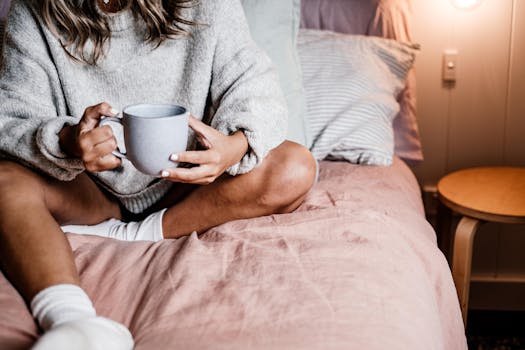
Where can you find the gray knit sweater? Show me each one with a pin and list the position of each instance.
(217, 71)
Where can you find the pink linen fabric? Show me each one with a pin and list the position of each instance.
(383, 18)
(355, 267)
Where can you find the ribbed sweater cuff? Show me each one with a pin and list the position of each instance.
(47, 140)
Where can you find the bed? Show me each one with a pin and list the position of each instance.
(356, 266)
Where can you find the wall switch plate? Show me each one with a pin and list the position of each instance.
(450, 65)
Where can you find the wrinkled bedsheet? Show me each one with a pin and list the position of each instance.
(355, 267)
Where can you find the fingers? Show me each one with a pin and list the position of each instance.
(211, 162)
(205, 133)
(206, 172)
(93, 114)
(198, 126)
(100, 150)
(107, 162)
(96, 146)
(197, 157)
(91, 138)
(200, 175)
(97, 143)
(100, 157)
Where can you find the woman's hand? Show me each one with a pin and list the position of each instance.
(221, 152)
(90, 143)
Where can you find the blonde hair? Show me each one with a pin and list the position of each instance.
(77, 22)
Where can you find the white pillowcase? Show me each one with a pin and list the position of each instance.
(351, 84)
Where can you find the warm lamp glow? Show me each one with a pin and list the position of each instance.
(465, 4)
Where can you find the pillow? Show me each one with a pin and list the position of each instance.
(383, 18)
(351, 85)
(342, 16)
(274, 25)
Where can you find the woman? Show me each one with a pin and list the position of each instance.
(66, 63)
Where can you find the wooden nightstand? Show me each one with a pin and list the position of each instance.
(495, 194)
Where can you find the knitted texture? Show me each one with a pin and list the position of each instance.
(217, 72)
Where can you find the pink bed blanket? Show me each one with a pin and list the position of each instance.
(356, 267)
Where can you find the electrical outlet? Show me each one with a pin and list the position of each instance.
(450, 65)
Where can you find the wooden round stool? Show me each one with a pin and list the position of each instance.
(495, 194)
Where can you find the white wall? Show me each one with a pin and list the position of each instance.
(478, 121)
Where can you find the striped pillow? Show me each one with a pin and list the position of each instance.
(351, 85)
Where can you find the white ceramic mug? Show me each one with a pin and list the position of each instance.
(152, 132)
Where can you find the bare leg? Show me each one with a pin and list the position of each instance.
(278, 185)
(32, 208)
(37, 258)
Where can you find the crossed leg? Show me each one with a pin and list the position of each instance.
(278, 185)
(34, 251)
(37, 258)
(33, 207)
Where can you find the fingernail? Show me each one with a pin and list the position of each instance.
(114, 111)
(174, 157)
(164, 173)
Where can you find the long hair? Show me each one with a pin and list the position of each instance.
(77, 22)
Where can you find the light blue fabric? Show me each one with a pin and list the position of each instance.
(351, 85)
(274, 25)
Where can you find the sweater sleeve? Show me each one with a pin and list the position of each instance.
(245, 90)
(30, 105)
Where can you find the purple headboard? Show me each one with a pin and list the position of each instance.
(4, 7)
(384, 18)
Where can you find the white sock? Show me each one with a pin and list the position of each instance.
(149, 229)
(61, 303)
(69, 320)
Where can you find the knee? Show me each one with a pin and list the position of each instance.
(291, 175)
(18, 182)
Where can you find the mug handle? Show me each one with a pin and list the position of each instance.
(104, 121)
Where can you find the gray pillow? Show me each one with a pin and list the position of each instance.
(351, 84)
(274, 25)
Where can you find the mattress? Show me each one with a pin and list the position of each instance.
(355, 267)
